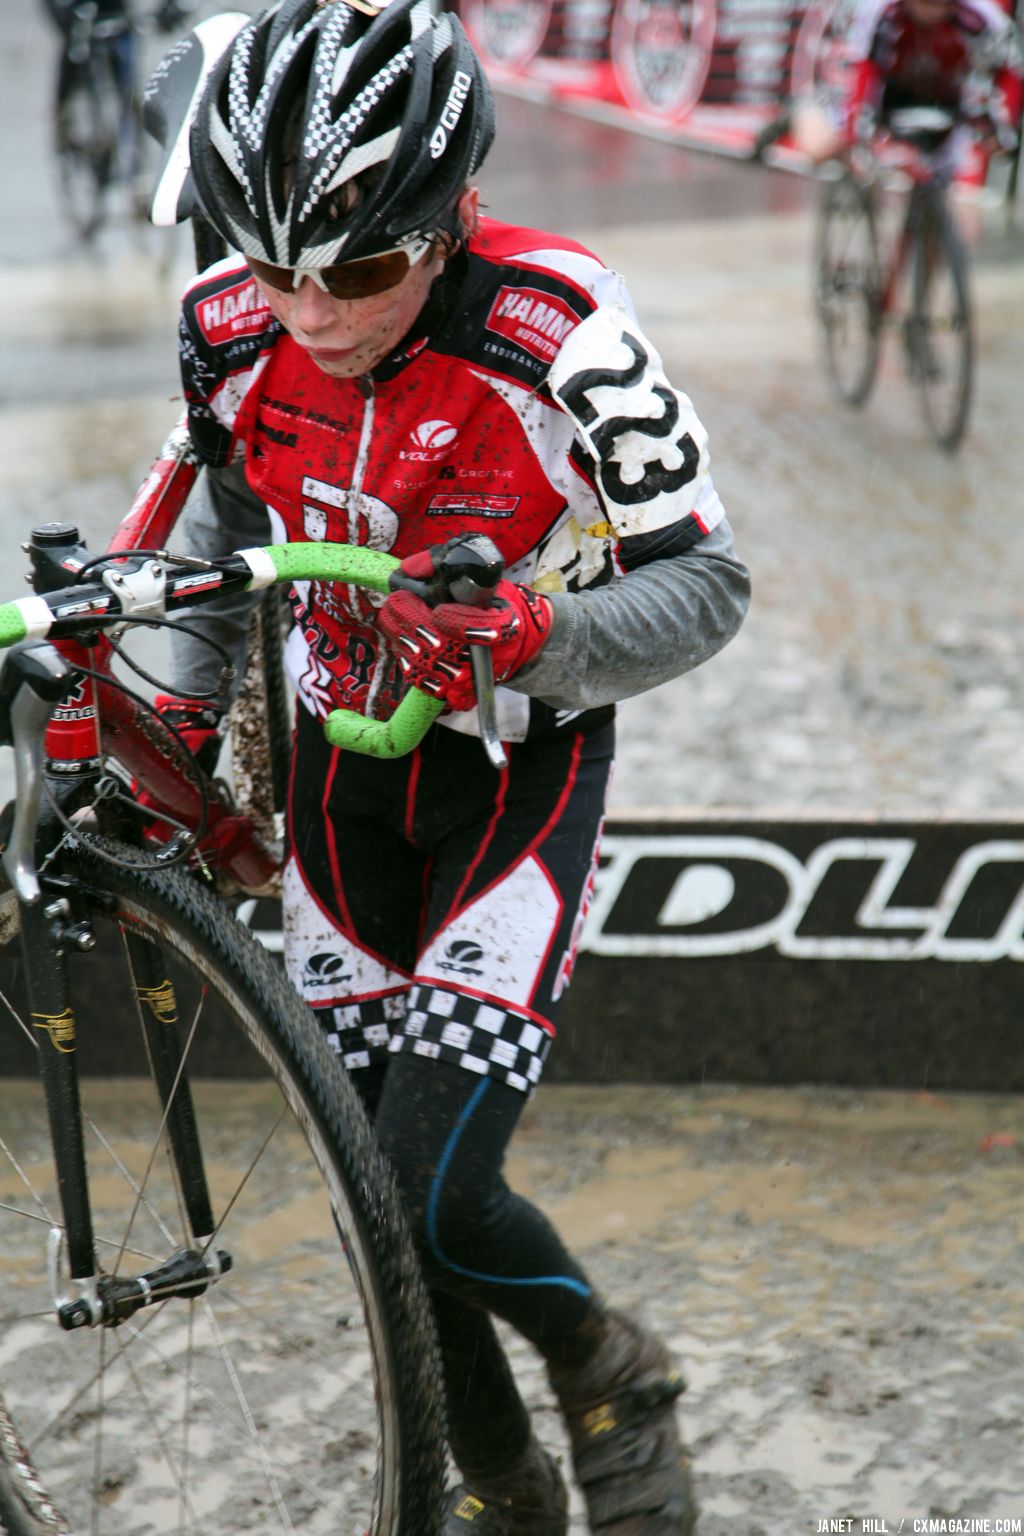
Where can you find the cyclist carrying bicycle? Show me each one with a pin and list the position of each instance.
(381, 364)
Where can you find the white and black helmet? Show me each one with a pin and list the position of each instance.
(333, 130)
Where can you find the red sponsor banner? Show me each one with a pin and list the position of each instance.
(710, 73)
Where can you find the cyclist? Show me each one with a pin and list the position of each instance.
(109, 23)
(382, 365)
(960, 55)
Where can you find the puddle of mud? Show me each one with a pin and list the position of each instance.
(839, 1274)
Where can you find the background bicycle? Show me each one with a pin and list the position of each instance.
(103, 155)
(218, 1364)
(890, 257)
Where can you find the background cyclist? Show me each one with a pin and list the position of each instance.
(109, 24)
(961, 55)
(382, 365)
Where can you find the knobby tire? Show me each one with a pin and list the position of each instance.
(848, 292)
(942, 324)
(332, 1346)
(87, 135)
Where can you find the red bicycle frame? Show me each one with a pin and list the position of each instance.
(891, 154)
(102, 718)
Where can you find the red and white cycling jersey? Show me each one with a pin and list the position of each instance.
(527, 404)
(931, 65)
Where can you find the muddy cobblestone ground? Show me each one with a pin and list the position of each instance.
(839, 1273)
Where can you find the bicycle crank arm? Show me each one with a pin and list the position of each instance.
(118, 1297)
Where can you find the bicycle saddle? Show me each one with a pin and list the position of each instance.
(169, 101)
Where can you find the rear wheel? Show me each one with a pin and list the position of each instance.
(301, 1391)
(87, 135)
(941, 331)
(849, 289)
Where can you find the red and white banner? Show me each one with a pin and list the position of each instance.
(709, 73)
(704, 72)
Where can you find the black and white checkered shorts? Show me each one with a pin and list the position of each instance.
(481, 1037)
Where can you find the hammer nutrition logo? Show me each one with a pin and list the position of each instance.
(233, 313)
(536, 321)
(884, 897)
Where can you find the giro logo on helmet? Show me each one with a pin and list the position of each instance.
(462, 84)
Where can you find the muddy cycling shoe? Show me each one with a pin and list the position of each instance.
(630, 1463)
(528, 1498)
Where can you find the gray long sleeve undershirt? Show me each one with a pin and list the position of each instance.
(606, 644)
(661, 620)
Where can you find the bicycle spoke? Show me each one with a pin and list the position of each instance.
(44, 1213)
(179, 1476)
(246, 1176)
(19, 1021)
(158, 1139)
(136, 1189)
(256, 1440)
(149, 1423)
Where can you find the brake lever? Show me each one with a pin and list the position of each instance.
(469, 570)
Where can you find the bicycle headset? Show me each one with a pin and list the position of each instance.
(332, 131)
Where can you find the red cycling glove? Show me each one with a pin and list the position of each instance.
(432, 644)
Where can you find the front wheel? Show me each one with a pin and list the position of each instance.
(941, 329)
(301, 1391)
(86, 143)
(848, 290)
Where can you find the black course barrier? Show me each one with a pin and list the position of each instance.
(859, 952)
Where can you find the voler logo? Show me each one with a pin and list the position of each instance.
(884, 897)
(464, 956)
(661, 53)
(326, 970)
(510, 32)
(431, 439)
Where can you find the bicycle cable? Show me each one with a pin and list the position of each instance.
(199, 696)
(186, 838)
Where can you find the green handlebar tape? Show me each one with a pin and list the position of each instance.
(384, 738)
(12, 624)
(348, 563)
